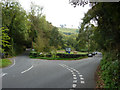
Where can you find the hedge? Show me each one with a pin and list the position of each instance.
(70, 55)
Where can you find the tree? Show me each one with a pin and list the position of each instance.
(106, 35)
(4, 40)
(55, 38)
(15, 19)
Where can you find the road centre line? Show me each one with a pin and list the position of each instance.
(27, 69)
(2, 74)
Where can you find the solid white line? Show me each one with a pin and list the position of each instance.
(74, 85)
(27, 69)
(13, 63)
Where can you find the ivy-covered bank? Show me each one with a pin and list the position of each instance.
(109, 74)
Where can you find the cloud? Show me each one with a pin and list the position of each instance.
(59, 11)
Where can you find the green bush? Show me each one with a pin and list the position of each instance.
(33, 54)
(110, 71)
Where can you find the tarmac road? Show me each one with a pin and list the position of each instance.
(37, 73)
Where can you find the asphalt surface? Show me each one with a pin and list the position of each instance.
(37, 73)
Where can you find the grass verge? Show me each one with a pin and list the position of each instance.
(5, 63)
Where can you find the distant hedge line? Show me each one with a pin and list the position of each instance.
(70, 55)
(35, 54)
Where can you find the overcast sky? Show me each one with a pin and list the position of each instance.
(59, 11)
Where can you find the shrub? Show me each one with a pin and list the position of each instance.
(110, 71)
(33, 54)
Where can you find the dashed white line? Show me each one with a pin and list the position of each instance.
(71, 89)
(73, 73)
(74, 85)
(27, 69)
(74, 77)
(69, 69)
(72, 70)
(77, 71)
(74, 81)
(80, 75)
(83, 82)
(2, 74)
(82, 78)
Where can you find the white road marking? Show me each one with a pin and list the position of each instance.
(73, 73)
(2, 74)
(83, 82)
(68, 68)
(71, 89)
(82, 78)
(74, 85)
(74, 81)
(78, 72)
(27, 69)
(80, 75)
(74, 77)
(13, 63)
(72, 70)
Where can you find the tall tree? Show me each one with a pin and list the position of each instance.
(15, 19)
(55, 38)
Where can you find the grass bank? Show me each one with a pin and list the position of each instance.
(5, 63)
